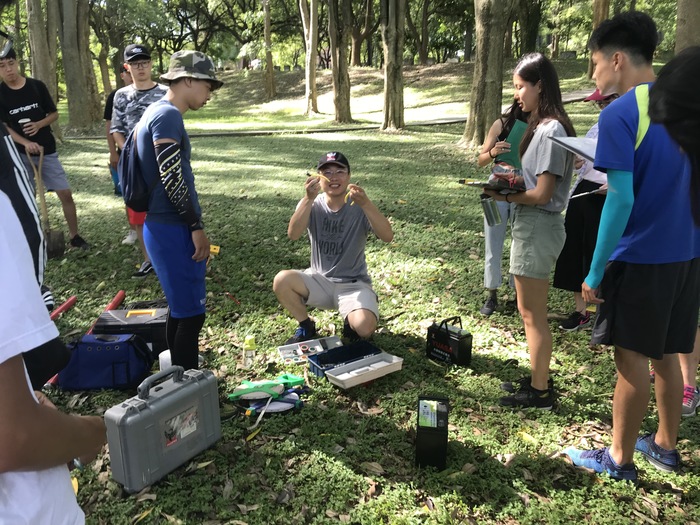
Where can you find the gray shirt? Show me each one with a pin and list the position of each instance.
(338, 241)
(544, 155)
(129, 105)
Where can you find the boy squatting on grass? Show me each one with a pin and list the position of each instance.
(338, 223)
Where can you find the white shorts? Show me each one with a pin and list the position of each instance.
(345, 297)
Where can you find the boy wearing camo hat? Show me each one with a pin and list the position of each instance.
(174, 232)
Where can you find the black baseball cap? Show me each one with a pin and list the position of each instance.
(333, 157)
(135, 51)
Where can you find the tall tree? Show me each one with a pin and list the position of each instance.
(309, 19)
(42, 43)
(270, 89)
(601, 11)
(420, 33)
(81, 87)
(687, 24)
(362, 29)
(487, 84)
(339, 30)
(393, 15)
(529, 18)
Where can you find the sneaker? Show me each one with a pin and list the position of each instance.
(130, 238)
(301, 334)
(599, 461)
(514, 386)
(145, 269)
(79, 242)
(489, 306)
(691, 398)
(528, 397)
(576, 321)
(48, 297)
(662, 459)
(349, 334)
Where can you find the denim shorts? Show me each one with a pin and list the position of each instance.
(538, 237)
(345, 297)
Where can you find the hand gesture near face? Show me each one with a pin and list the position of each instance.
(357, 195)
(312, 187)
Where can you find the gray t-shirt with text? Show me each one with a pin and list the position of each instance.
(338, 241)
(544, 155)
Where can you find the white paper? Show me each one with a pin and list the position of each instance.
(581, 146)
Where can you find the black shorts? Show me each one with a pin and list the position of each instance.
(651, 309)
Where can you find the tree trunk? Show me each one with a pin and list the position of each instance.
(508, 40)
(270, 89)
(393, 17)
(309, 18)
(491, 17)
(421, 37)
(339, 28)
(83, 101)
(42, 66)
(687, 23)
(529, 18)
(468, 42)
(601, 11)
(555, 45)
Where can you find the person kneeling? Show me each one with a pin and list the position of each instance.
(338, 223)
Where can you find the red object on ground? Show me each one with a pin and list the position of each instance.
(60, 309)
(113, 305)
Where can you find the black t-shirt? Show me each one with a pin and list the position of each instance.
(109, 106)
(31, 101)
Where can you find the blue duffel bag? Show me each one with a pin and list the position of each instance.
(106, 361)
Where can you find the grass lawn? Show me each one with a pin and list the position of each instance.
(348, 456)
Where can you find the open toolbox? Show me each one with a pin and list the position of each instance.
(300, 352)
(354, 364)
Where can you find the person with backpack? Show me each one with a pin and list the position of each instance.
(129, 104)
(174, 232)
(645, 272)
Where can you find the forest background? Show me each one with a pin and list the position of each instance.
(75, 46)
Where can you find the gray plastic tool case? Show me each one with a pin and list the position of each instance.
(174, 417)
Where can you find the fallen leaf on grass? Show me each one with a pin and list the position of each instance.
(344, 518)
(372, 467)
(374, 490)
(253, 434)
(331, 513)
(469, 468)
(285, 496)
(368, 411)
(228, 489)
(146, 497)
(643, 517)
(245, 509)
(141, 516)
(527, 475)
(429, 504)
(171, 519)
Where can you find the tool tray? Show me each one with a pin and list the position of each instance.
(322, 362)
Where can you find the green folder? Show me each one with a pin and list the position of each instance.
(514, 138)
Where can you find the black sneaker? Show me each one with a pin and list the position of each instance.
(79, 242)
(528, 397)
(514, 386)
(489, 306)
(349, 334)
(302, 334)
(145, 269)
(576, 321)
(47, 296)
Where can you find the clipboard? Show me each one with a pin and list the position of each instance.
(582, 146)
(514, 137)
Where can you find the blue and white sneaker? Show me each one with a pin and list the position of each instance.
(662, 459)
(600, 461)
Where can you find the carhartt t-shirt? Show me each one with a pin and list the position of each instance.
(31, 101)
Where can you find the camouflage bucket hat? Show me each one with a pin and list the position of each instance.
(192, 64)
